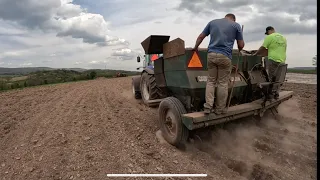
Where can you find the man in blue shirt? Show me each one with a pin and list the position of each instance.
(223, 32)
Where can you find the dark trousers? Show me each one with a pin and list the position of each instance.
(272, 68)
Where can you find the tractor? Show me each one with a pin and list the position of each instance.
(145, 86)
(175, 80)
(121, 74)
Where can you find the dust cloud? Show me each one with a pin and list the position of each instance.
(160, 137)
(258, 148)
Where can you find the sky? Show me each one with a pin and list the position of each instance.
(107, 34)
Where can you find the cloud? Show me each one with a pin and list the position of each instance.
(304, 8)
(69, 10)
(25, 64)
(78, 33)
(124, 54)
(13, 54)
(94, 62)
(296, 17)
(30, 13)
(62, 17)
(125, 13)
(113, 63)
(47, 61)
(92, 28)
(178, 20)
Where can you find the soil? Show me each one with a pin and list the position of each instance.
(85, 130)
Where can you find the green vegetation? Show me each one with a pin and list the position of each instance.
(302, 71)
(27, 70)
(44, 77)
(13, 79)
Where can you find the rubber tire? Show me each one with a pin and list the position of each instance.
(154, 91)
(178, 109)
(137, 94)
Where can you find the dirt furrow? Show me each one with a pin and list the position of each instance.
(85, 130)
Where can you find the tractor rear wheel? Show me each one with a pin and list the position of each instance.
(148, 87)
(136, 94)
(173, 130)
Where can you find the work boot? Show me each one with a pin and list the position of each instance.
(207, 110)
(220, 111)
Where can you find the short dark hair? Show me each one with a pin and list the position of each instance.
(268, 29)
(230, 15)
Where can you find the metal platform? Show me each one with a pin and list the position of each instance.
(199, 119)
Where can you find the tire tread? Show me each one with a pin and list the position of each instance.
(177, 105)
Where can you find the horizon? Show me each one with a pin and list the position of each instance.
(109, 69)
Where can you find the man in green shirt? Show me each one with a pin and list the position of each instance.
(276, 46)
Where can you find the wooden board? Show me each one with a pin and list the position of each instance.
(255, 105)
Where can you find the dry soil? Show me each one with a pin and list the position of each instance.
(85, 130)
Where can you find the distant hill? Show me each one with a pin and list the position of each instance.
(75, 69)
(27, 70)
(304, 68)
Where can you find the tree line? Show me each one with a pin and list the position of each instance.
(51, 77)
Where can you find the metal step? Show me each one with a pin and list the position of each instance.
(199, 119)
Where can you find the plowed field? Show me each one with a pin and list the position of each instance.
(85, 130)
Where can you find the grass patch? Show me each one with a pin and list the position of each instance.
(302, 71)
(19, 78)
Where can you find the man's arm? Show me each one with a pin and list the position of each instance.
(201, 36)
(239, 38)
(263, 49)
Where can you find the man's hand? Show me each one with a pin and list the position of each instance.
(194, 49)
(199, 41)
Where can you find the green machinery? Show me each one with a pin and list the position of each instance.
(176, 81)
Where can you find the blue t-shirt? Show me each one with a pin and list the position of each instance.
(223, 33)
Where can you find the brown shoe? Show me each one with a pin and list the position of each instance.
(207, 111)
(219, 111)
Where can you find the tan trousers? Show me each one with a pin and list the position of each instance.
(219, 70)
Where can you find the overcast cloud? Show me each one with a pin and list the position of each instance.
(60, 16)
(99, 33)
(296, 17)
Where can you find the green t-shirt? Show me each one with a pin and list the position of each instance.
(277, 47)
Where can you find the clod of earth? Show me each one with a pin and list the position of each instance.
(158, 168)
(175, 161)
(86, 138)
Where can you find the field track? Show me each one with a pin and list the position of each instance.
(84, 130)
